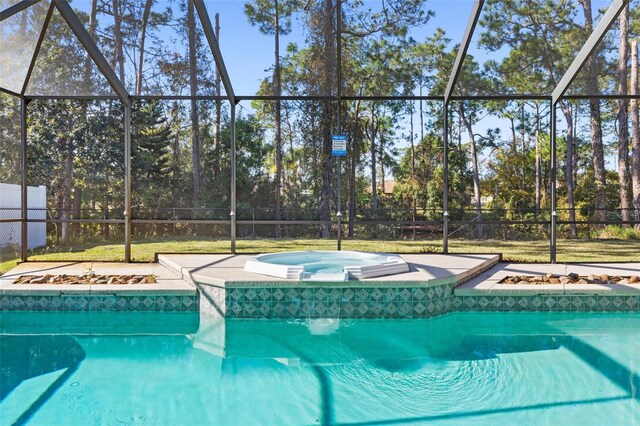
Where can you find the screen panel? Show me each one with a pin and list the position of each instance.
(63, 67)
(18, 39)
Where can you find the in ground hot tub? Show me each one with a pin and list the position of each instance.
(326, 265)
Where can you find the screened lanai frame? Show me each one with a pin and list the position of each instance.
(121, 93)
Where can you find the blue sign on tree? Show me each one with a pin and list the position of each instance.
(339, 145)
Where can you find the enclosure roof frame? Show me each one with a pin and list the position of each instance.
(92, 49)
(96, 55)
(81, 33)
(214, 46)
(36, 52)
(122, 93)
(16, 8)
(9, 92)
(462, 50)
(589, 46)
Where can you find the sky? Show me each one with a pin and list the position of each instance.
(249, 55)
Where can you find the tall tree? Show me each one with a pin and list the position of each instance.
(193, 89)
(542, 37)
(118, 47)
(322, 17)
(216, 140)
(635, 129)
(624, 181)
(538, 160)
(373, 131)
(568, 110)
(144, 24)
(475, 170)
(273, 17)
(592, 68)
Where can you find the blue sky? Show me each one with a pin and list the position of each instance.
(247, 53)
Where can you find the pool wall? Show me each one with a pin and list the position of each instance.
(549, 303)
(89, 302)
(391, 302)
(319, 302)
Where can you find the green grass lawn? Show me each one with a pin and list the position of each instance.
(521, 251)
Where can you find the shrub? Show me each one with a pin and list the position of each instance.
(616, 232)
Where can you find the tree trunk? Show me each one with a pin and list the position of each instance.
(413, 175)
(195, 127)
(278, 91)
(459, 133)
(216, 146)
(514, 138)
(568, 115)
(143, 39)
(328, 79)
(576, 111)
(293, 178)
(374, 186)
(77, 208)
(624, 181)
(67, 185)
(88, 62)
(381, 162)
(117, 38)
(421, 115)
(592, 70)
(354, 165)
(326, 167)
(105, 215)
(538, 161)
(92, 30)
(475, 170)
(635, 130)
(523, 152)
(59, 191)
(411, 142)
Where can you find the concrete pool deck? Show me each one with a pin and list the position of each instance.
(424, 270)
(488, 281)
(167, 282)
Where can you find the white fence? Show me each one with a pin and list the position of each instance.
(10, 202)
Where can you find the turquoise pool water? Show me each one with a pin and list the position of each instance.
(179, 369)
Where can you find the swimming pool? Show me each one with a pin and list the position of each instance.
(461, 368)
(314, 265)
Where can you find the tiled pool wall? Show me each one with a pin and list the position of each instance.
(390, 302)
(323, 301)
(88, 302)
(319, 302)
(549, 302)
